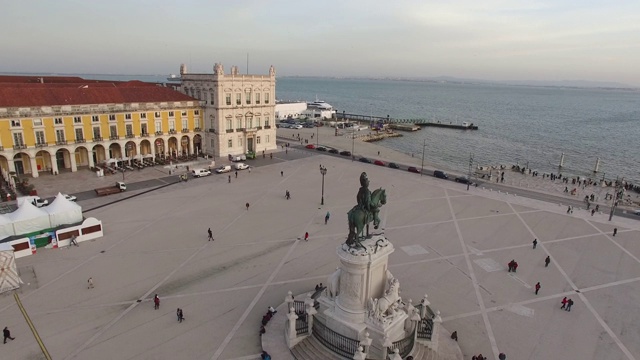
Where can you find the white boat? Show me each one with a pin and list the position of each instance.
(319, 104)
(173, 77)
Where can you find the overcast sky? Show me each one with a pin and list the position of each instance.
(596, 40)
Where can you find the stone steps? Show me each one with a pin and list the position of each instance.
(311, 349)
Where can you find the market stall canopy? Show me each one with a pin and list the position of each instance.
(6, 227)
(28, 219)
(63, 211)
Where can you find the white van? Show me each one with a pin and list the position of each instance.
(223, 169)
(200, 172)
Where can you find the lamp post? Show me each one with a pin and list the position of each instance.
(618, 194)
(424, 144)
(323, 171)
(469, 178)
(353, 145)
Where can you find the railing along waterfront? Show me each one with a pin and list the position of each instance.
(337, 343)
(405, 345)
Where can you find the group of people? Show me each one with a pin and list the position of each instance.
(566, 304)
(512, 265)
(266, 318)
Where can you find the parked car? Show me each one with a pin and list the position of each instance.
(309, 125)
(296, 126)
(379, 162)
(70, 197)
(364, 160)
(345, 153)
(463, 180)
(320, 148)
(440, 174)
(394, 165)
(333, 151)
(636, 212)
(310, 146)
(413, 169)
(200, 172)
(241, 166)
(38, 202)
(236, 158)
(223, 169)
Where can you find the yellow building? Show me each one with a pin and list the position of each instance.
(63, 124)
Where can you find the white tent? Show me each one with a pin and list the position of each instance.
(62, 211)
(29, 218)
(9, 278)
(6, 227)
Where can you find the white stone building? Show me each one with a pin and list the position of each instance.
(239, 110)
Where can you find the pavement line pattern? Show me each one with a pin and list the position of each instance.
(474, 280)
(45, 352)
(580, 294)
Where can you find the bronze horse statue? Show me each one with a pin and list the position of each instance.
(359, 217)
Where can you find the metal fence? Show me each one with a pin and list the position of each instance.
(425, 329)
(404, 346)
(302, 325)
(337, 343)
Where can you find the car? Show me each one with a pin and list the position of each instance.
(237, 158)
(636, 212)
(345, 153)
(320, 148)
(379, 163)
(440, 174)
(333, 151)
(364, 160)
(309, 125)
(241, 166)
(200, 172)
(283, 125)
(463, 180)
(296, 126)
(394, 165)
(413, 169)
(70, 197)
(38, 202)
(223, 169)
(310, 146)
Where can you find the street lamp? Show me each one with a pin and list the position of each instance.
(618, 194)
(323, 171)
(424, 144)
(317, 134)
(469, 178)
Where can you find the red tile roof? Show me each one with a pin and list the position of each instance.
(83, 93)
(35, 79)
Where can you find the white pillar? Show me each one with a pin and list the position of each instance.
(11, 166)
(360, 355)
(72, 160)
(34, 166)
(90, 159)
(54, 164)
(366, 343)
(437, 324)
(292, 335)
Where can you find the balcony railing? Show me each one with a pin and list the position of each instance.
(114, 137)
(212, 131)
(197, 129)
(185, 130)
(173, 132)
(81, 141)
(41, 145)
(130, 136)
(1, 148)
(97, 138)
(61, 142)
(159, 133)
(239, 129)
(259, 127)
(267, 127)
(19, 147)
(144, 134)
(229, 131)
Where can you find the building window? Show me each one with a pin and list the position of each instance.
(172, 125)
(230, 143)
(171, 114)
(257, 139)
(127, 116)
(15, 123)
(184, 113)
(197, 122)
(157, 114)
(37, 122)
(60, 135)
(248, 98)
(95, 118)
(196, 112)
(229, 125)
(239, 140)
(143, 115)
(58, 120)
(185, 123)
(129, 129)
(17, 139)
(96, 132)
(238, 99)
(268, 139)
(258, 98)
(40, 137)
(239, 123)
(143, 129)
(112, 117)
(266, 121)
(212, 97)
(79, 134)
(158, 126)
(266, 98)
(76, 120)
(228, 99)
(113, 131)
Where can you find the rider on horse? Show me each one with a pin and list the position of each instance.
(364, 194)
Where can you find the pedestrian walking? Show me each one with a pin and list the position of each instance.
(547, 260)
(615, 231)
(538, 287)
(90, 283)
(7, 334)
(236, 174)
(306, 236)
(247, 205)
(287, 195)
(229, 179)
(515, 266)
(502, 356)
(535, 243)
(271, 156)
(180, 315)
(281, 173)
(454, 335)
(597, 208)
(564, 303)
(326, 218)
(156, 302)
(569, 305)
(210, 234)
(593, 211)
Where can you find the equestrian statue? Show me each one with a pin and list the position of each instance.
(365, 212)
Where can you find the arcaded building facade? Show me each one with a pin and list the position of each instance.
(56, 124)
(239, 110)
